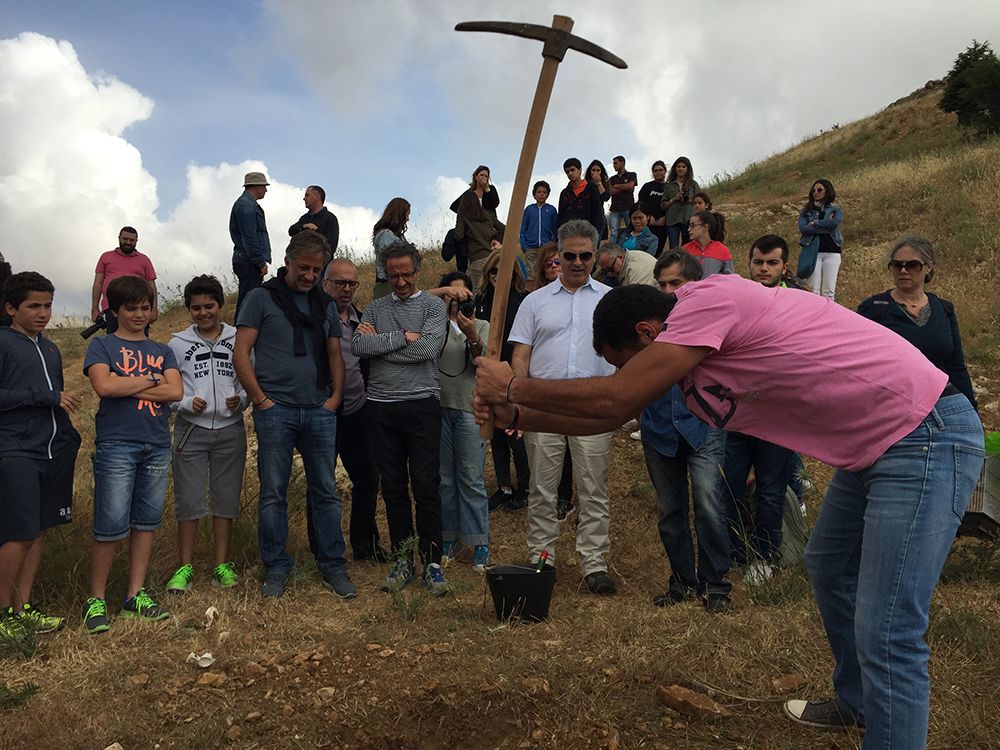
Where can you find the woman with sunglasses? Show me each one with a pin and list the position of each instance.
(819, 223)
(921, 317)
(502, 445)
(547, 267)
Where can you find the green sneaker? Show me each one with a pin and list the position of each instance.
(180, 581)
(34, 618)
(144, 607)
(95, 616)
(224, 576)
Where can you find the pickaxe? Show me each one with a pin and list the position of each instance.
(557, 39)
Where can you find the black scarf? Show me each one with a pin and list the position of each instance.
(284, 298)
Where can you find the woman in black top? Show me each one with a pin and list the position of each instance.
(922, 318)
(652, 195)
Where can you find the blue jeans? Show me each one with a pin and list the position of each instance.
(313, 431)
(247, 276)
(670, 480)
(677, 235)
(758, 532)
(130, 485)
(464, 511)
(874, 557)
(615, 218)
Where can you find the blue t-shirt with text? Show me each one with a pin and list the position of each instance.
(131, 418)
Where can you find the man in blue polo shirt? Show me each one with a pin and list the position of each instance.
(675, 444)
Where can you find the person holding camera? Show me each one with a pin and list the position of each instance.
(464, 511)
(678, 197)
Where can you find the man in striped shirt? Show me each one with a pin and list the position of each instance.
(401, 335)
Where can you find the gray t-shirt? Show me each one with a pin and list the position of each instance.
(354, 381)
(286, 379)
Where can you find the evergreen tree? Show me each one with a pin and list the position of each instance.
(972, 89)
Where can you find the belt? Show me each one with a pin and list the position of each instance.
(950, 390)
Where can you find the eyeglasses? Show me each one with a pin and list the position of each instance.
(341, 283)
(493, 271)
(584, 257)
(911, 266)
(819, 189)
(406, 276)
(694, 224)
(552, 263)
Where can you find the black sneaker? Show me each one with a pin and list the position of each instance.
(600, 583)
(673, 595)
(340, 584)
(500, 499)
(717, 602)
(274, 585)
(564, 506)
(518, 501)
(825, 715)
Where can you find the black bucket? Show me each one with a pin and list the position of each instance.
(521, 592)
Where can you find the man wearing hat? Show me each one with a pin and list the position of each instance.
(251, 245)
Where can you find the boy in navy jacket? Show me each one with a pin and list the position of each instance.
(38, 448)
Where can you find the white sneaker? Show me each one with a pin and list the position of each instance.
(637, 435)
(632, 424)
(758, 573)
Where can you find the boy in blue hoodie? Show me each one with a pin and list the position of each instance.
(210, 441)
(38, 448)
(538, 222)
(136, 379)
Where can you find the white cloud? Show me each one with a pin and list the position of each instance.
(69, 179)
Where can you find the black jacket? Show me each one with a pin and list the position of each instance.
(31, 379)
(326, 224)
(588, 205)
(938, 339)
(484, 309)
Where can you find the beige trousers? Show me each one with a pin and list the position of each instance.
(590, 471)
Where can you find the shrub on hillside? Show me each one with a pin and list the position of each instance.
(972, 89)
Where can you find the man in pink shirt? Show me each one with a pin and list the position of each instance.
(124, 260)
(809, 375)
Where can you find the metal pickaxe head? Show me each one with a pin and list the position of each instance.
(556, 40)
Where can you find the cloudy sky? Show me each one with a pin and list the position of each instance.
(117, 113)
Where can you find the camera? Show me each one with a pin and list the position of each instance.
(100, 324)
(468, 308)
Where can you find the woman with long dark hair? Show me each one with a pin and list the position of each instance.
(819, 223)
(708, 230)
(388, 230)
(678, 195)
(480, 229)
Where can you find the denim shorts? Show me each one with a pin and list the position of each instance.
(130, 483)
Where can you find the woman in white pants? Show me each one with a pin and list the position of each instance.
(819, 222)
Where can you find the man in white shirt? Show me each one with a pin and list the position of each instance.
(553, 339)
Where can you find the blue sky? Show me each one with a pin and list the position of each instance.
(382, 98)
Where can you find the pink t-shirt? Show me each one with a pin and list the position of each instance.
(799, 370)
(113, 264)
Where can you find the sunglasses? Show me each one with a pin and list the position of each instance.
(493, 271)
(552, 263)
(584, 257)
(911, 266)
(345, 283)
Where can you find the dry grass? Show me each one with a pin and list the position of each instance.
(411, 672)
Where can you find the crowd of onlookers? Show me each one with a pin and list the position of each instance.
(389, 389)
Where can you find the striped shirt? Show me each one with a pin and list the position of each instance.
(401, 371)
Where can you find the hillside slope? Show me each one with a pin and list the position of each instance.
(906, 169)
